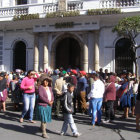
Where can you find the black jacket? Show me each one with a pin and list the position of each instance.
(67, 103)
(138, 96)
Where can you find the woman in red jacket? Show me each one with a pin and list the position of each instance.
(44, 107)
(110, 97)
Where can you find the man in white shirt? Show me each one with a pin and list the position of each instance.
(95, 98)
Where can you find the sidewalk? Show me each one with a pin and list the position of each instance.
(11, 129)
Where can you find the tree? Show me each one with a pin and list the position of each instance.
(129, 27)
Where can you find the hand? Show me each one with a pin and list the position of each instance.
(50, 103)
(30, 87)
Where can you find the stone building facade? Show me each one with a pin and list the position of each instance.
(82, 41)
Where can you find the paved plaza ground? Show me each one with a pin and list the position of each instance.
(11, 129)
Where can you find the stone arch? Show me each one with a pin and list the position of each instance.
(19, 54)
(17, 40)
(61, 37)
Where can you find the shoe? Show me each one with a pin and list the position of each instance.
(99, 124)
(106, 121)
(77, 134)
(31, 121)
(93, 126)
(62, 134)
(45, 136)
(21, 120)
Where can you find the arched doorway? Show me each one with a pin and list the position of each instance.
(68, 53)
(123, 56)
(19, 56)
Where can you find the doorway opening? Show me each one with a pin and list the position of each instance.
(68, 53)
(19, 56)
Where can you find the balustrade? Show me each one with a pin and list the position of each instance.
(13, 11)
(119, 3)
(75, 6)
(50, 8)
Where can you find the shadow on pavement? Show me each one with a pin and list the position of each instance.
(22, 129)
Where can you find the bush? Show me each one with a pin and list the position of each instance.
(26, 17)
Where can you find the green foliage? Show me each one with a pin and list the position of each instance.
(26, 17)
(106, 11)
(128, 27)
(63, 14)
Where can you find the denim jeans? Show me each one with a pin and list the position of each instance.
(29, 104)
(96, 104)
(68, 119)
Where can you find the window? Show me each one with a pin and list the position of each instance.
(20, 2)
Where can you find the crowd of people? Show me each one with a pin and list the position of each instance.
(71, 91)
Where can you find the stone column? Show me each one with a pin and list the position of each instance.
(96, 50)
(45, 48)
(85, 53)
(36, 52)
(53, 53)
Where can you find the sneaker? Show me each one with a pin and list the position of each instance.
(106, 121)
(62, 134)
(77, 134)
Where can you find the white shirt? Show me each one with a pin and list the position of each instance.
(49, 94)
(97, 90)
(135, 88)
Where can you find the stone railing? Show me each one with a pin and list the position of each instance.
(50, 8)
(7, 13)
(13, 11)
(119, 3)
(75, 5)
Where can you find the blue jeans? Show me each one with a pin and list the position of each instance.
(96, 105)
(29, 104)
(68, 119)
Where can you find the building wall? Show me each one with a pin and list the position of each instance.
(10, 38)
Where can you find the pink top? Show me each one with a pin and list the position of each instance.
(28, 82)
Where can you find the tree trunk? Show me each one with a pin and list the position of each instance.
(136, 69)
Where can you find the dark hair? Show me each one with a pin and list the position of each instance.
(97, 75)
(70, 85)
(49, 80)
(61, 74)
(29, 72)
(15, 76)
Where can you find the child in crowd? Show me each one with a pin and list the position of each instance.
(67, 112)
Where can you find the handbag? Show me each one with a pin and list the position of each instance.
(3, 95)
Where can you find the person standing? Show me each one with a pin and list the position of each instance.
(67, 112)
(28, 87)
(58, 93)
(81, 89)
(16, 92)
(137, 108)
(96, 97)
(109, 98)
(74, 82)
(3, 91)
(45, 102)
(134, 95)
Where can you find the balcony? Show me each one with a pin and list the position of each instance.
(8, 13)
